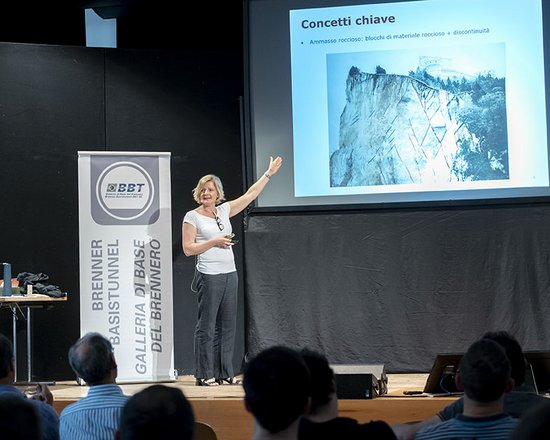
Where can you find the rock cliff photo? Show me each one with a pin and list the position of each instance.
(420, 129)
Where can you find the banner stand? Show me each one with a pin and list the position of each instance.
(126, 287)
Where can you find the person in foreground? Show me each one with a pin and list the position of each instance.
(277, 387)
(516, 402)
(207, 234)
(521, 398)
(484, 375)
(42, 399)
(323, 422)
(19, 419)
(95, 416)
(159, 412)
(535, 424)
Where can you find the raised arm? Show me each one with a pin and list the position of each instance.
(254, 191)
(189, 233)
(43, 393)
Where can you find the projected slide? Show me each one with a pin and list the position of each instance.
(413, 97)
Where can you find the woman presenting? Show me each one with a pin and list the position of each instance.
(207, 233)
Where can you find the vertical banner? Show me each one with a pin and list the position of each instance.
(126, 259)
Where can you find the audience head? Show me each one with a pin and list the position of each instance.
(157, 412)
(277, 385)
(535, 424)
(513, 352)
(6, 357)
(322, 379)
(92, 359)
(484, 371)
(19, 419)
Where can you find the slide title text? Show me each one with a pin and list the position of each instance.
(347, 21)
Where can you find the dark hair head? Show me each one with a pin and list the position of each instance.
(276, 384)
(6, 355)
(484, 371)
(91, 358)
(513, 352)
(19, 418)
(157, 412)
(322, 378)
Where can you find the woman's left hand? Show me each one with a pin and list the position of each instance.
(274, 165)
(237, 205)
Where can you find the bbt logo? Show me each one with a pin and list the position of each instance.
(125, 187)
(125, 190)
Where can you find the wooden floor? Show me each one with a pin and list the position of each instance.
(222, 406)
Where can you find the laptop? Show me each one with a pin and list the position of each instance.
(442, 375)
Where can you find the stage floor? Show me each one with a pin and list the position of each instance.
(222, 406)
(70, 390)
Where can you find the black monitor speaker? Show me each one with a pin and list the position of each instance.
(360, 381)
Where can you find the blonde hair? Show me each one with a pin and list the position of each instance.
(203, 181)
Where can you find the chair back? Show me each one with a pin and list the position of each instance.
(203, 431)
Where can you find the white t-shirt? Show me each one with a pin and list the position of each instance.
(215, 260)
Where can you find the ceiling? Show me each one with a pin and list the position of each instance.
(156, 24)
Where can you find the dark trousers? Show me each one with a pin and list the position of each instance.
(216, 325)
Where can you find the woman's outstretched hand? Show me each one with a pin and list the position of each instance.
(252, 193)
(274, 165)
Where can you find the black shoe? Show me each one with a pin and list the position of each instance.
(229, 381)
(206, 382)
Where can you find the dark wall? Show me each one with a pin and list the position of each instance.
(186, 104)
(50, 107)
(57, 100)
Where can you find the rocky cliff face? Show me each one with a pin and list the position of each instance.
(397, 130)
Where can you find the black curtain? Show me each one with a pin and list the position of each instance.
(396, 287)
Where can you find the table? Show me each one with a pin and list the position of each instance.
(16, 303)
